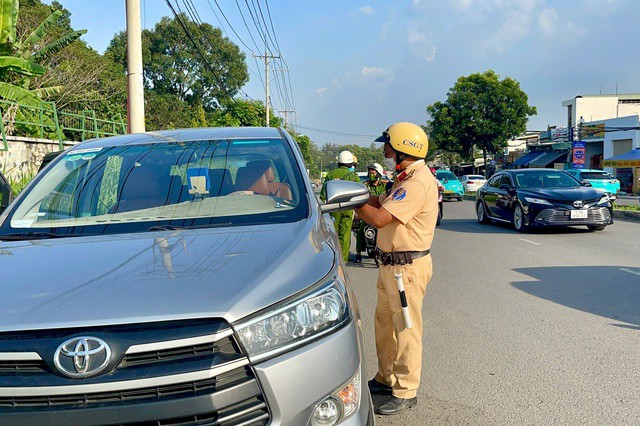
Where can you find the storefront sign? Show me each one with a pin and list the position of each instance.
(579, 154)
(590, 131)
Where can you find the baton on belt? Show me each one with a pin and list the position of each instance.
(403, 300)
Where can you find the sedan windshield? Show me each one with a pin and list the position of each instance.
(595, 175)
(545, 179)
(129, 188)
(445, 175)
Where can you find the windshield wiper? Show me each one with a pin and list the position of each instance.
(33, 236)
(178, 228)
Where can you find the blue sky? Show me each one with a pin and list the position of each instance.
(358, 66)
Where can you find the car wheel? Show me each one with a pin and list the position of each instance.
(596, 227)
(459, 198)
(482, 213)
(518, 219)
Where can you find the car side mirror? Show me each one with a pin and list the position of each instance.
(585, 183)
(344, 195)
(6, 195)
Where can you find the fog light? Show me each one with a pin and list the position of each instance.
(326, 413)
(350, 395)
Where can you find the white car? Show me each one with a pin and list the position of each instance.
(472, 183)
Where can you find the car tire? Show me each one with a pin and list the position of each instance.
(481, 212)
(596, 227)
(518, 219)
(459, 198)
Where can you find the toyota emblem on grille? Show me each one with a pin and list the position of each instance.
(82, 357)
(578, 203)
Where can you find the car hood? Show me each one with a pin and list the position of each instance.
(562, 194)
(157, 276)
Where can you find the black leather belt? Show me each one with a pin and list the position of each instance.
(399, 257)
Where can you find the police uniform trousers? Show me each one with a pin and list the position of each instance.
(343, 221)
(400, 349)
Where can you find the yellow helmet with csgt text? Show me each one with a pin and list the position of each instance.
(407, 138)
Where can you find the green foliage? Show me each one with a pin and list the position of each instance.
(8, 20)
(14, 93)
(20, 66)
(238, 112)
(173, 66)
(481, 112)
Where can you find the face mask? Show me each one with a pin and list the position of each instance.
(353, 169)
(390, 163)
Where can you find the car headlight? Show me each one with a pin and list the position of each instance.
(537, 201)
(287, 326)
(604, 199)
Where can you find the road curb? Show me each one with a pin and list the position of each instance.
(626, 215)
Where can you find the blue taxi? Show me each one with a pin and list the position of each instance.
(600, 180)
(452, 186)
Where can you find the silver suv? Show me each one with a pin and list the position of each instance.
(179, 277)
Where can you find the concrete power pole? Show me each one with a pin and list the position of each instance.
(135, 88)
(266, 58)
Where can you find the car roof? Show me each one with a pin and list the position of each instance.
(178, 135)
(588, 170)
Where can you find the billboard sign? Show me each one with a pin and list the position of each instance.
(579, 154)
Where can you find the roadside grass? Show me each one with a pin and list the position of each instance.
(20, 180)
(626, 208)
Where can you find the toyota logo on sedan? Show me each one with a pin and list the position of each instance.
(578, 203)
(82, 357)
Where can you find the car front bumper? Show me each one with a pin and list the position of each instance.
(294, 383)
(596, 216)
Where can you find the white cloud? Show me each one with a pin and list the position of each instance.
(548, 21)
(433, 54)
(415, 37)
(321, 90)
(366, 10)
(373, 72)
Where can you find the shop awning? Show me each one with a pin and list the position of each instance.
(527, 158)
(548, 158)
(628, 159)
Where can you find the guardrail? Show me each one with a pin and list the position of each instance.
(46, 122)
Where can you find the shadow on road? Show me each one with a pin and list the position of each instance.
(608, 291)
(472, 226)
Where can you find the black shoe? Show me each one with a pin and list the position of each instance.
(358, 258)
(377, 388)
(397, 405)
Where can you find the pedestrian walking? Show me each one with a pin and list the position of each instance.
(406, 218)
(344, 219)
(376, 187)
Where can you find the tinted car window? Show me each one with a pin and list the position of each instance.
(128, 188)
(506, 180)
(494, 182)
(445, 174)
(595, 175)
(545, 179)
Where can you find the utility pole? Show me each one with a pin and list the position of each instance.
(266, 58)
(135, 88)
(286, 113)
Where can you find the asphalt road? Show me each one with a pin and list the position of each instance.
(540, 328)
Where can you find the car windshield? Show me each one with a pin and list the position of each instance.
(545, 179)
(130, 188)
(441, 175)
(595, 175)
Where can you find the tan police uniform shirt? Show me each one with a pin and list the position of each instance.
(413, 202)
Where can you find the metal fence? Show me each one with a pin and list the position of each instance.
(47, 122)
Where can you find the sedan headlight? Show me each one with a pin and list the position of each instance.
(538, 201)
(295, 323)
(604, 200)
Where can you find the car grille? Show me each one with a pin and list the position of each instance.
(161, 363)
(556, 216)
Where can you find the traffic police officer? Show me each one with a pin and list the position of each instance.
(406, 219)
(344, 219)
(376, 187)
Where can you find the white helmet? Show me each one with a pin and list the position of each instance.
(345, 157)
(377, 167)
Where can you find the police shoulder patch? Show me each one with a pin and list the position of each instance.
(399, 194)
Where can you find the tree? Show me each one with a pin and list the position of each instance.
(481, 112)
(238, 112)
(172, 65)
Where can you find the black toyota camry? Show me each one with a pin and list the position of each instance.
(542, 197)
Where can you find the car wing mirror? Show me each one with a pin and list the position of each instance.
(6, 195)
(344, 195)
(585, 183)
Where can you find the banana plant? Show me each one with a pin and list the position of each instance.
(19, 58)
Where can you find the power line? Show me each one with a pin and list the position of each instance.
(331, 132)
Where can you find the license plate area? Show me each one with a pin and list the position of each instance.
(579, 214)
